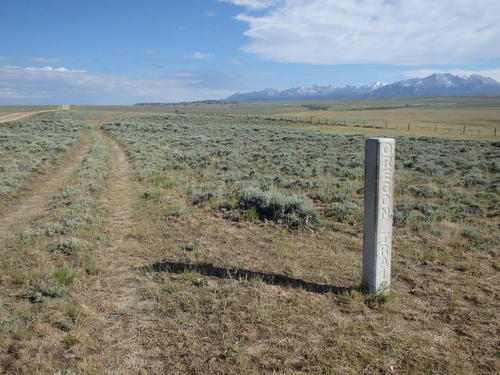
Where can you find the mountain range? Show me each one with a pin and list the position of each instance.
(438, 84)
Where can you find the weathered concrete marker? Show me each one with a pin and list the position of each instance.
(377, 236)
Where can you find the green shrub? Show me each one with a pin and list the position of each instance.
(472, 234)
(463, 209)
(474, 178)
(423, 191)
(70, 245)
(162, 181)
(151, 193)
(68, 192)
(344, 212)
(252, 214)
(64, 276)
(205, 196)
(48, 287)
(405, 213)
(70, 341)
(95, 187)
(288, 209)
(435, 252)
(26, 237)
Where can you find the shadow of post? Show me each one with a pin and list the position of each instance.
(240, 274)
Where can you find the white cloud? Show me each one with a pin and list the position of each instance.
(4, 58)
(251, 4)
(420, 73)
(50, 85)
(43, 59)
(407, 32)
(201, 55)
(48, 69)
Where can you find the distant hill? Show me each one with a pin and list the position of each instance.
(439, 84)
(182, 103)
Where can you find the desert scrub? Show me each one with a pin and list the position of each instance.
(70, 245)
(156, 179)
(204, 193)
(66, 231)
(289, 209)
(29, 147)
(228, 154)
(345, 212)
(56, 285)
(41, 265)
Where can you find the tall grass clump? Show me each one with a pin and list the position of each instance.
(288, 209)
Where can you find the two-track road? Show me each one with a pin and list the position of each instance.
(20, 115)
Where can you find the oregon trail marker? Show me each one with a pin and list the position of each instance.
(379, 202)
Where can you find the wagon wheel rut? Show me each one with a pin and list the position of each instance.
(35, 198)
(112, 298)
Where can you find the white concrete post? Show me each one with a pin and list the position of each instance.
(377, 236)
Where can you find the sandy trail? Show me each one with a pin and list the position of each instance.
(36, 198)
(19, 115)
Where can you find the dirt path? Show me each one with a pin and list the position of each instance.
(113, 298)
(19, 115)
(35, 199)
(113, 313)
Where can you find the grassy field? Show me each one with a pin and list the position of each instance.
(474, 117)
(211, 241)
(28, 147)
(446, 116)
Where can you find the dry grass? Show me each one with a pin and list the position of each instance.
(173, 287)
(248, 298)
(43, 261)
(466, 123)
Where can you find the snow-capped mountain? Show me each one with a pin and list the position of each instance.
(439, 84)
(313, 92)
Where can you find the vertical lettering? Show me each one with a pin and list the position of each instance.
(377, 237)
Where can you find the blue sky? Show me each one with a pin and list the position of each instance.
(124, 51)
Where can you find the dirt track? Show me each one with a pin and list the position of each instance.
(46, 187)
(116, 288)
(19, 115)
